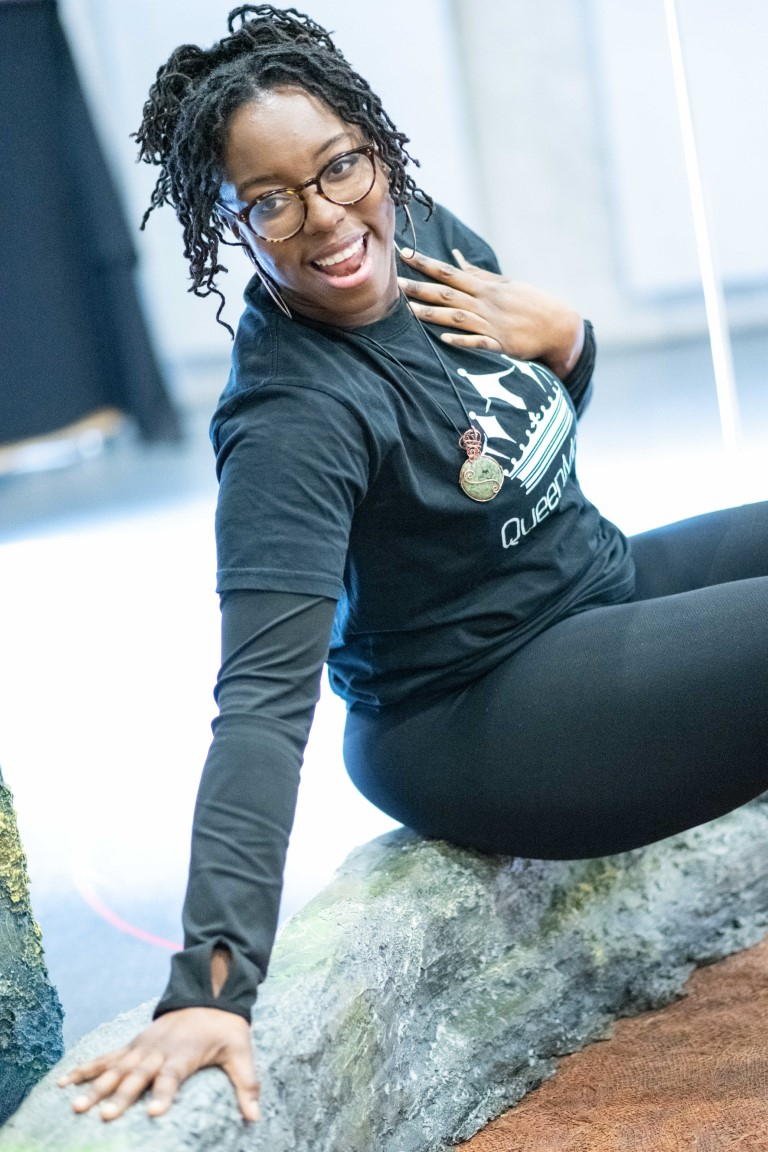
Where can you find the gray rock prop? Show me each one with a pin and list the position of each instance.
(427, 989)
(30, 1013)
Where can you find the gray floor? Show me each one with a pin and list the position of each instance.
(653, 418)
(128, 477)
(98, 971)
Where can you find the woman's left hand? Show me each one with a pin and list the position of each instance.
(492, 311)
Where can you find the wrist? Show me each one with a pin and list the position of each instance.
(565, 354)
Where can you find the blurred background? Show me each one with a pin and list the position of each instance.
(552, 129)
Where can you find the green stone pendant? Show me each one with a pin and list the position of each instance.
(481, 477)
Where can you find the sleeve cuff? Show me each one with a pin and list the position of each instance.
(578, 382)
(189, 985)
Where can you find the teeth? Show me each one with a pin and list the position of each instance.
(344, 255)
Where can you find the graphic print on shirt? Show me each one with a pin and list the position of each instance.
(529, 457)
(550, 420)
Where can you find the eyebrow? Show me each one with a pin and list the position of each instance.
(275, 180)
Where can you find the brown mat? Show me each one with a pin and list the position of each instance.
(691, 1077)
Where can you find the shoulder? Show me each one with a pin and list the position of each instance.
(270, 347)
(272, 354)
(439, 232)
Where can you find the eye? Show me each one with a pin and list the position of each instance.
(343, 167)
(269, 207)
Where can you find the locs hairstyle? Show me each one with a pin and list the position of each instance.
(185, 119)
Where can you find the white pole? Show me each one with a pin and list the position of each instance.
(714, 301)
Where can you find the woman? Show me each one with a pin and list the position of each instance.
(402, 500)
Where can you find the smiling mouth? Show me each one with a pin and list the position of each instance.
(346, 262)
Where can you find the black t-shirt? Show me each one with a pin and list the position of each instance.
(338, 457)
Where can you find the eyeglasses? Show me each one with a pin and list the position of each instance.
(280, 214)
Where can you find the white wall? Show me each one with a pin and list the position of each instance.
(724, 47)
(580, 155)
(408, 57)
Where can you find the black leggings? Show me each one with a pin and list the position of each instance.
(614, 728)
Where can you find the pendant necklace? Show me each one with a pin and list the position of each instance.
(480, 477)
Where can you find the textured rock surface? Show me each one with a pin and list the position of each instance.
(427, 989)
(30, 1013)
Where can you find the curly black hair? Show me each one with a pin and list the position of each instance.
(185, 119)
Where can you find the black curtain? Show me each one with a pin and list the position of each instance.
(72, 335)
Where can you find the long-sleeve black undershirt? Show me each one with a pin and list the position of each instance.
(274, 645)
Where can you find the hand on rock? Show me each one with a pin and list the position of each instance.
(163, 1056)
(492, 311)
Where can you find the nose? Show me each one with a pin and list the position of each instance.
(321, 215)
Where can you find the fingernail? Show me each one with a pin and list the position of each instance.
(445, 336)
(254, 1112)
(108, 1109)
(80, 1102)
(63, 1081)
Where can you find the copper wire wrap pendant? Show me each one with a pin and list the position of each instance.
(481, 476)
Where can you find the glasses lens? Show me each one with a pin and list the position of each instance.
(347, 178)
(277, 217)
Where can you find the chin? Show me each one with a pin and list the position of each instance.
(361, 298)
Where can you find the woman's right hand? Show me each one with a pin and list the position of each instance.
(163, 1056)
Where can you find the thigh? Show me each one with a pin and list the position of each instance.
(716, 548)
(613, 729)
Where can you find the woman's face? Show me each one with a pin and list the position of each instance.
(280, 141)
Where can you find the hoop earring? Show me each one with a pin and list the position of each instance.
(273, 291)
(409, 218)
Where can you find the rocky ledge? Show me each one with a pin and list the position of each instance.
(30, 1013)
(427, 989)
